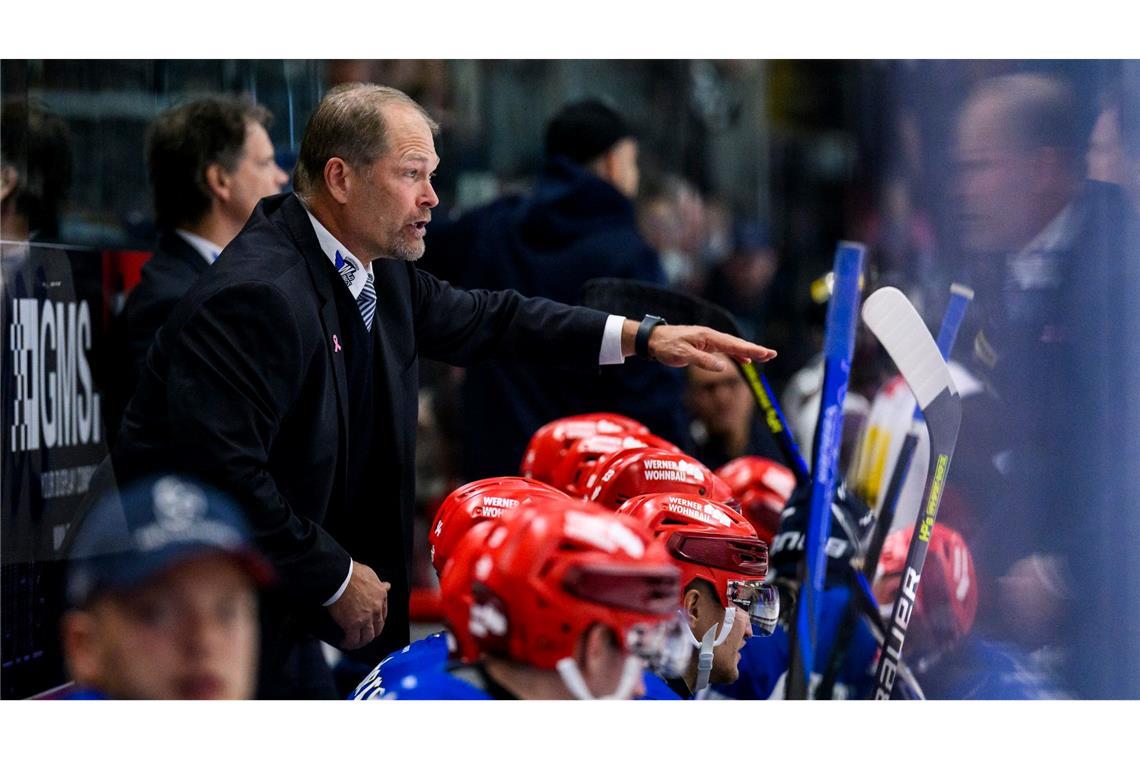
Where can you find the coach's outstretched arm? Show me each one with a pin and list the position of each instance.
(683, 345)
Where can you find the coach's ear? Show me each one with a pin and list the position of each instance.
(338, 179)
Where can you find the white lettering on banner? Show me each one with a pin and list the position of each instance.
(69, 481)
(55, 403)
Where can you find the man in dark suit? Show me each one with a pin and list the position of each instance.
(288, 375)
(210, 162)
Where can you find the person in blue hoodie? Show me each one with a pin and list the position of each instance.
(576, 224)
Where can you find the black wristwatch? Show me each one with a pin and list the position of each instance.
(641, 342)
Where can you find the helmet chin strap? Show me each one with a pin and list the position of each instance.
(710, 641)
(576, 684)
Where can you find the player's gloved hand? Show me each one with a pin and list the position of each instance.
(362, 608)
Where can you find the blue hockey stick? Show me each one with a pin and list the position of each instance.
(960, 297)
(839, 345)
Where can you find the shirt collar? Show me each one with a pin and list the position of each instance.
(352, 271)
(1038, 264)
(204, 247)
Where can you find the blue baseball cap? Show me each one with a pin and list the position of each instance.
(153, 525)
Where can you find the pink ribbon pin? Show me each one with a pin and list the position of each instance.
(336, 344)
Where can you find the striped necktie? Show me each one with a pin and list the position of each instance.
(366, 302)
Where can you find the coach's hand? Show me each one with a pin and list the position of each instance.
(682, 345)
(362, 608)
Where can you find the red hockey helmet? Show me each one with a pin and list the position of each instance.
(710, 541)
(551, 441)
(947, 599)
(574, 470)
(527, 588)
(487, 499)
(763, 487)
(620, 476)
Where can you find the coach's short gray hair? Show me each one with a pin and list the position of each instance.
(348, 123)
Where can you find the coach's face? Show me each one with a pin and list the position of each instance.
(391, 204)
(995, 180)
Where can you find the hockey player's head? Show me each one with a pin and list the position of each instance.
(723, 564)
(947, 598)
(574, 470)
(562, 599)
(468, 505)
(620, 476)
(551, 441)
(763, 487)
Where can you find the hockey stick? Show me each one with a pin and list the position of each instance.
(892, 319)
(839, 345)
(960, 297)
(865, 602)
(630, 297)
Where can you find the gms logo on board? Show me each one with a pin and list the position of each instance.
(55, 403)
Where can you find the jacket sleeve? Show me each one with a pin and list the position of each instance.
(464, 326)
(237, 367)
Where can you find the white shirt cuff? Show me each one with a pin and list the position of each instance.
(611, 341)
(332, 599)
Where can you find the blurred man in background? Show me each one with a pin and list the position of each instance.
(163, 596)
(35, 171)
(210, 162)
(576, 224)
(1046, 251)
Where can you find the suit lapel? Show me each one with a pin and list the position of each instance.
(302, 231)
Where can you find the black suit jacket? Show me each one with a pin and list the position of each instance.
(245, 387)
(166, 277)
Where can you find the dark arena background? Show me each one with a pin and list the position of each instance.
(785, 156)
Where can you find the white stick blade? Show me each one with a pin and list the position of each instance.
(893, 320)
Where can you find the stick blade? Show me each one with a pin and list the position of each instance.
(896, 324)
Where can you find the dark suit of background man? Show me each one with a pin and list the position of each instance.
(210, 162)
(288, 375)
(577, 223)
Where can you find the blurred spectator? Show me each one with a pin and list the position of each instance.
(163, 597)
(725, 423)
(1114, 146)
(671, 216)
(1046, 253)
(742, 282)
(210, 162)
(35, 171)
(577, 224)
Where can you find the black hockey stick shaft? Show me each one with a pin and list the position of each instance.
(892, 319)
